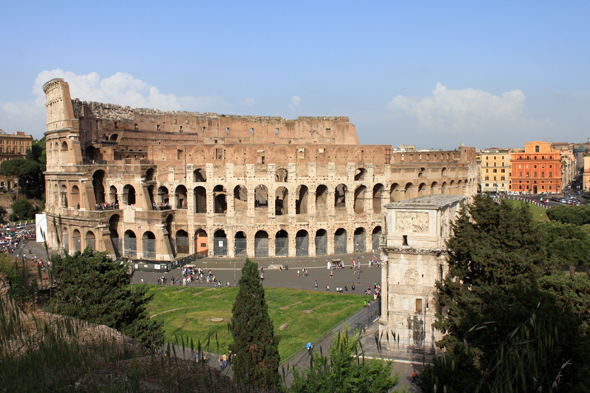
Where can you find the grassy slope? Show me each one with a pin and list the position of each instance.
(539, 213)
(191, 318)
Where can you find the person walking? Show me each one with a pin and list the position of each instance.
(414, 377)
(331, 274)
(316, 284)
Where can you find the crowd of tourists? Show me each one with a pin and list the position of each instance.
(161, 206)
(105, 206)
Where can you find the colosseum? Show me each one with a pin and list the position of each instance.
(153, 185)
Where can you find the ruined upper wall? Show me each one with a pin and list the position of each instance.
(209, 127)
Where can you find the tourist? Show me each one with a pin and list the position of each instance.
(316, 284)
(331, 274)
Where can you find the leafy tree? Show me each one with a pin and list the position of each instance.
(93, 287)
(23, 209)
(345, 370)
(498, 277)
(28, 173)
(577, 215)
(255, 346)
(566, 244)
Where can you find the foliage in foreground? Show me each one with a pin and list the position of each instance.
(344, 370)
(499, 276)
(255, 346)
(93, 287)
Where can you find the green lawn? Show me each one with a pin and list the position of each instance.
(187, 312)
(539, 213)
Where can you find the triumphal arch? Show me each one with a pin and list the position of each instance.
(153, 185)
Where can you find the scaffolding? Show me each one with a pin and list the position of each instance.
(240, 247)
(149, 248)
(321, 244)
(220, 246)
(302, 245)
(282, 246)
(340, 243)
(261, 247)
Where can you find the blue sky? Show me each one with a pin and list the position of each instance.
(426, 73)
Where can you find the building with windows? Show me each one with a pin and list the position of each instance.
(13, 145)
(495, 170)
(537, 169)
(151, 185)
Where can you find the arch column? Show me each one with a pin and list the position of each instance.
(271, 244)
(272, 195)
(349, 199)
(251, 206)
(311, 202)
(210, 206)
(330, 233)
(190, 203)
(331, 200)
(231, 244)
(311, 245)
(292, 207)
(293, 243)
(230, 201)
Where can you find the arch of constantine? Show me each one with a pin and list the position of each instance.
(156, 185)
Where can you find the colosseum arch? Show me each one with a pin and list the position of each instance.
(360, 174)
(321, 199)
(302, 194)
(443, 171)
(163, 196)
(240, 244)
(302, 243)
(75, 197)
(281, 175)
(375, 237)
(201, 243)
(452, 188)
(261, 244)
(282, 243)
(220, 202)
(281, 201)
(199, 175)
(91, 240)
(129, 195)
(360, 240)
(435, 188)
(114, 234)
(360, 199)
(150, 190)
(200, 195)
(180, 196)
(77, 238)
(182, 246)
(64, 159)
(423, 190)
(261, 196)
(149, 174)
(340, 241)
(240, 198)
(377, 197)
(98, 185)
(340, 196)
(64, 196)
(219, 243)
(149, 244)
(444, 189)
(396, 193)
(113, 196)
(66, 238)
(130, 244)
(411, 191)
(321, 242)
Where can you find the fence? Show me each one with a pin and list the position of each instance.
(241, 247)
(130, 247)
(376, 241)
(66, 242)
(117, 246)
(282, 246)
(321, 245)
(220, 246)
(340, 244)
(302, 246)
(261, 247)
(360, 242)
(182, 245)
(192, 258)
(149, 248)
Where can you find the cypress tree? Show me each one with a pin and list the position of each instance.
(255, 347)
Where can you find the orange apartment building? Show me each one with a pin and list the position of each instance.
(537, 169)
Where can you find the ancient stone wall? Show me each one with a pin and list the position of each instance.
(158, 185)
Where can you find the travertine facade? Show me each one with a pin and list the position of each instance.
(185, 182)
(414, 256)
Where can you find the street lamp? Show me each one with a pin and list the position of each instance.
(424, 341)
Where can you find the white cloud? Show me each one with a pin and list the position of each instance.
(467, 111)
(295, 101)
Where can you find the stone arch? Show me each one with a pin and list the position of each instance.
(66, 239)
(129, 195)
(360, 199)
(98, 185)
(64, 196)
(340, 241)
(410, 191)
(377, 197)
(261, 244)
(360, 174)
(444, 189)
(149, 244)
(422, 189)
(199, 175)
(376, 236)
(321, 242)
(201, 244)
(396, 193)
(281, 175)
(240, 244)
(113, 196)
(301, 202)
(261, 196)
(113, 138)
(180, 195)
(443, 171)
(91, 240)
(220, 243)
(77, 238)
(302, 243)
(75, 197)
(452, 186)
(182, 242)
(150, 190)
(282, 243)
(150, 175)
(89, 153)
(130, 244)
(220, 201)
(360, 240)
(200, 194)
(240, 197)
(340, 196)
(321, 198)
(434, 188)
(281, 201)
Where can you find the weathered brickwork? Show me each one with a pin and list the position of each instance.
(185, 182)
